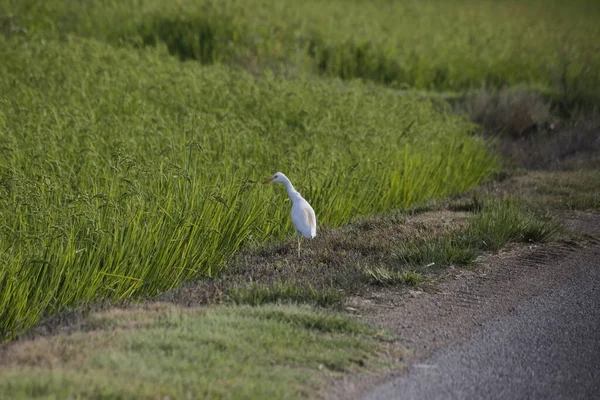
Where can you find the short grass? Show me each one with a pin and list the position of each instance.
(284, 292)
(436, 253)
(387, 277)
(170, 352)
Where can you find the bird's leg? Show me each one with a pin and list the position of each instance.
(298, 238)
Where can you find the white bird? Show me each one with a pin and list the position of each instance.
(303, 215)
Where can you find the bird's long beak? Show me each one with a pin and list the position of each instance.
(268, 181)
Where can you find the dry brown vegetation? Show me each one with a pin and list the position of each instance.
(514, 112)
(533, 131)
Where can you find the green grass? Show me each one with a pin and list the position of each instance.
(386, 276)
(437, 253)
(127, 172)
(284, 292)
(227, 353)
(502, 221)
(428, 45)
(495, 223)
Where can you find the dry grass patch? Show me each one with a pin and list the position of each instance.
(339, 262)
(534, 130)
(556, 190)
(512, 112)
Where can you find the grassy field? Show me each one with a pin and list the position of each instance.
(134, 136)
(168, 349)
(429, 45)
(162, 351)
(125, 173)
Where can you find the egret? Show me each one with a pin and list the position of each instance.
(303, 215)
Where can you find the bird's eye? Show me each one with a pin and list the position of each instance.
(276, 177)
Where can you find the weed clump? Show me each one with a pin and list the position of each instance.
(494, 224)
(503, 221)
(385, 276)
(436, 253)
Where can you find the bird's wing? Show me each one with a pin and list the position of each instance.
(304, 219)
(311, 220)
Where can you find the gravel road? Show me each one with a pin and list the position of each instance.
(523, 324)
(547, 348)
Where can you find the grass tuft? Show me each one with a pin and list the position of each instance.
(496, 223)
(284, 292)
(437, 253)
(308, 318)
(503, 221)
(384, 276)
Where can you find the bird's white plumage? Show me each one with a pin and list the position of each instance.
(304, 220)
(303, 215)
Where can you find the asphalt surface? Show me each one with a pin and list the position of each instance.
(547, 348)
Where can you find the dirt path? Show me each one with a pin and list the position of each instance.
(465, 301)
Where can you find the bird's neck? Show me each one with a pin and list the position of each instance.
(293, 193)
